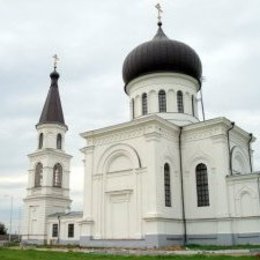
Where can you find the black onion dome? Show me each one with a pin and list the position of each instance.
(162, 54)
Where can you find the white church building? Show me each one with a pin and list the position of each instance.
(162, 178)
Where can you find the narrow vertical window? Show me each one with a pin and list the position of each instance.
(59, 141)
(162, 101)
(57, 175)
(71, 230)
(38, 175)
(144, 104)
(40, 145)
(54, 230)
(192, 105)
(202, 185)
(167, 185)
(180, 102)
(133, 108)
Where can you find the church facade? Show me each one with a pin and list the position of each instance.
(162, 178)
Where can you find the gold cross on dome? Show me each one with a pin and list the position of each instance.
(56, 59)
(160, 11)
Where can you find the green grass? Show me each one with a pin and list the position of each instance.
(12, 254)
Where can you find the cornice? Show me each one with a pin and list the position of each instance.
(213, 127)
(131, 125)
(50, 151)
(51, 197)
(52, 126)
(157, 78)
(254, 175)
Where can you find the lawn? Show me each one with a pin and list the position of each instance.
(12, 254)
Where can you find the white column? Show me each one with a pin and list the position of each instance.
(187, 103)
(171, 101)
(138, 106)
(152, 102)
(88, 199)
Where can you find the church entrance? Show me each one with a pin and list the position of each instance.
(118, 222)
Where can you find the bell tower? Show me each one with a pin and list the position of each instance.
(48, 176)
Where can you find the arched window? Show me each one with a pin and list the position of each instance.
(133, 108)
(40, 141)
(38, 175)
(162, 101)
(57, 175)
(59, 141)
(180, 102)
(192, 105)
(202, 185)
(144, 104)
(167, 185)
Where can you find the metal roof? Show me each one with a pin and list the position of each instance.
(52, 111)
(69, 214)
(162, 54)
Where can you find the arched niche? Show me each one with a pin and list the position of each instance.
(120, 157)
(239, 161)
(247, 201)
(119, 162)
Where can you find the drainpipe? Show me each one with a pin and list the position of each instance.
(229, 151)
(258, 186)
(58, 229)
(249, 152)
(182, 190)
(202, 105)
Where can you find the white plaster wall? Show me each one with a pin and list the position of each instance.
(141, 188)
(206, 144)
(34, 220)
(171, 83)
(112, 172)
(227, 212)
(64, 222)
(50, 132)
(244, 195)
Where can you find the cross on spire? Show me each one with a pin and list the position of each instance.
(55, 60)
(160, 11)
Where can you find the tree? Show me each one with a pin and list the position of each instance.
(2, 229)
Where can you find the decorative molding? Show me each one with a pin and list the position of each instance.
(245, 189)
(242, 177)
(159, 79)
(201, 134)
(162, 219)
(119, 136)
(153, 137)
(120, 173)
(119, 195)
(88, 221)
(48, 152)
(88, 149)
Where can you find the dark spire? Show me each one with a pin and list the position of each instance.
(160, 35)
(52, 110)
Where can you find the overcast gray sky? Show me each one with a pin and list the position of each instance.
(92, 39)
